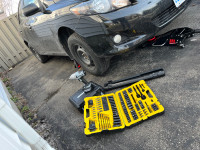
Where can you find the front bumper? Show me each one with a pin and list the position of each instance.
(136, 24)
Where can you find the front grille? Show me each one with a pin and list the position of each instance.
(167, 15)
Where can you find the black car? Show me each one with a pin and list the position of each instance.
(92, 31)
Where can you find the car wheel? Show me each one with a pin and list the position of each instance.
(85, 56)
(41, 58)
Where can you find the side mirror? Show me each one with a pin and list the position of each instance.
(45, 5)
(30, 9)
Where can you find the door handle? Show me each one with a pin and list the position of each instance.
(30, 28)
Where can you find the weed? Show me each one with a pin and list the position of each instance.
(5, 80)
(9, 89)
(29, 118)
(14, 99)
(25, 109)
(30, 115)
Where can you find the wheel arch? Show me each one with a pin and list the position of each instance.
(63, 35)
(26, 43)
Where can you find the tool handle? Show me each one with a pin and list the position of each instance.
(197, 31)
(146, 76)
(82, 79)
(135, 77)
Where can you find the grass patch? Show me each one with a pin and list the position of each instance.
(15, 99)
(25, 109)
(5, 80)
(18, 99)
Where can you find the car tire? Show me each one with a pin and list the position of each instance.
(41, 58)
(85, 56)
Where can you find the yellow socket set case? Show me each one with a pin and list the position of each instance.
(126, 107)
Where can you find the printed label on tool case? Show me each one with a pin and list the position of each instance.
(126, 107)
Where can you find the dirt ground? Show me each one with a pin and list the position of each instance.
(47, 87)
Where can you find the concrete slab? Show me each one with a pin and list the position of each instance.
(47, 87)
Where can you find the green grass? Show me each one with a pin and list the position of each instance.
(29, 118)
(14, 99)
(5, 80)
(17, 99)
(25, 109)
(9, 90)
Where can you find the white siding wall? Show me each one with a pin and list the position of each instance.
(15, 133)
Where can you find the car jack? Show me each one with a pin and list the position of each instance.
(93, 89)
(174, 37)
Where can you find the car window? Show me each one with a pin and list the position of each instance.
(27, 2)
(48, 2)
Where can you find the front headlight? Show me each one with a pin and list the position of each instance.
(98, 6)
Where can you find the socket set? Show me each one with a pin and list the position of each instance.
(138, 103)
(126, 107)
(102, 113)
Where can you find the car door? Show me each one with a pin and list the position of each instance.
(39, 33)
(29, 25)
(23, 28)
